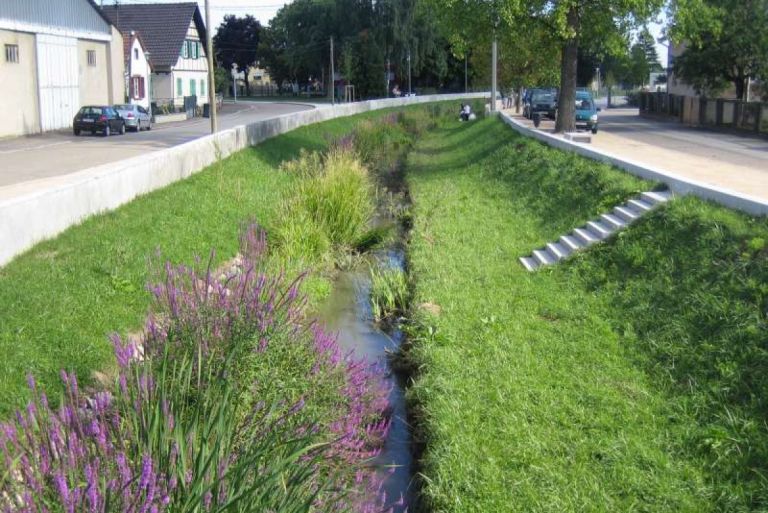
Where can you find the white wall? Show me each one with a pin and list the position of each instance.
(139, 67)
(191, 69)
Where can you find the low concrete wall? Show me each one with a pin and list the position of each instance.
(676, 183)
(29, 218)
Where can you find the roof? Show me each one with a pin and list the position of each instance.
(47, 15)
(163, 27)
(128, 40)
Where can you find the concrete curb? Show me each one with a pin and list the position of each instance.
(678, 184)
(32, 216)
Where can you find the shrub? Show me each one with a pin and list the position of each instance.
(331, 206)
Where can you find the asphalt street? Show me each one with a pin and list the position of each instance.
(26, 159)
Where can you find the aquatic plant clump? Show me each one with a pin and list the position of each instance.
(178, 430)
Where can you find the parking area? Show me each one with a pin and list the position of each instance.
(27, 160)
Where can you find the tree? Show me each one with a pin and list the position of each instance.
(726, 42)
(526, 57)
(577, 23)
(236, 42)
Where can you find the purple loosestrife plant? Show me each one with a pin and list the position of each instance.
(184, 430)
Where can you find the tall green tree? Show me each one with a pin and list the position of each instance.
(237, 42)
(581, 23)
(726, 42)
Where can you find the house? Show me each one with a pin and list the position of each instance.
(57, 55)
(174, 36)
(138, 69)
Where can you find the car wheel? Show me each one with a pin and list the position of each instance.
(594, 129)
(122, 129)
(107, 131)
(149, 125)
(76, 131)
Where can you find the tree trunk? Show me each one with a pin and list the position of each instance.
(518, 98)
(610, 90)
(566, 103)
(741, 87)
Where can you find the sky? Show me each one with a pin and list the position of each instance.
(265, 10)
(262, 10)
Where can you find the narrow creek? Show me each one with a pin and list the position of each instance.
(348, 312)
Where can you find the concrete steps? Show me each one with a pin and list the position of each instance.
(595, 231)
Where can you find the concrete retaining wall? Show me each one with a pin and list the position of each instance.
(29, 218)
(678, 184)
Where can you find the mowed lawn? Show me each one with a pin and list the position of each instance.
(605, 384)
(60, 300)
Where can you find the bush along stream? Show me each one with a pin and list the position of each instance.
(233, 397)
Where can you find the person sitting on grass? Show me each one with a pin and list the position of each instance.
(466, 112)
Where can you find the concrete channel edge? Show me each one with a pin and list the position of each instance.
(676, 183)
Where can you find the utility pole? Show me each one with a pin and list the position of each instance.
(493, 73)
(409, 73)
(333, 81)
(387, 77)
(211, 80)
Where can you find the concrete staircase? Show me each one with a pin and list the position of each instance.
(595, 231)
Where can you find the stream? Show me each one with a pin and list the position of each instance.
(347, 311)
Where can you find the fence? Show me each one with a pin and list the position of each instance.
(716, 113)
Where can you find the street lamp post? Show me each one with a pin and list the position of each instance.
(409, 73)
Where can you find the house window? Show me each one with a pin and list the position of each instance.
(137, 88)
(91, 55)
(185, 50)
(12, 53)
(192, 87)
(179, 87)
(202, 87)
(136, 54)
(193, 45)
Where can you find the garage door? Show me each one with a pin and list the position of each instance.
(57, 74)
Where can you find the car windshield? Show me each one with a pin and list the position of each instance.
(584, 104)
(91, 110)
(543, 97)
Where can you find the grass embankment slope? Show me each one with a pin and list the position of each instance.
(629, 379)
(60, 300)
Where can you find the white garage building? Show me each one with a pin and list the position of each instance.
(57, 55)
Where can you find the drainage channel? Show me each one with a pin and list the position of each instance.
(347, 312)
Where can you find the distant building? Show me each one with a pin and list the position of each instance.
(138, 70)
(57, 56)
(174, 35)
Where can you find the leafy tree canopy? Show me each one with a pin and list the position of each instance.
(237, 41)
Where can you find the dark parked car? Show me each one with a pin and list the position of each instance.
(541, 100)
(98, 118)
(136, 117)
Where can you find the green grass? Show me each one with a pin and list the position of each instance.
(629, 379)
(61, 299)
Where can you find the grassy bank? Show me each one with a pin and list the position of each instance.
(629, 379)
(60, 300)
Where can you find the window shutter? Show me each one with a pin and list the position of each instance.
(185, 50)
(132, 89)
(141, 88)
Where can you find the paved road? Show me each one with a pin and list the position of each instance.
(732, 161)
(740, 150)
(26, 159)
